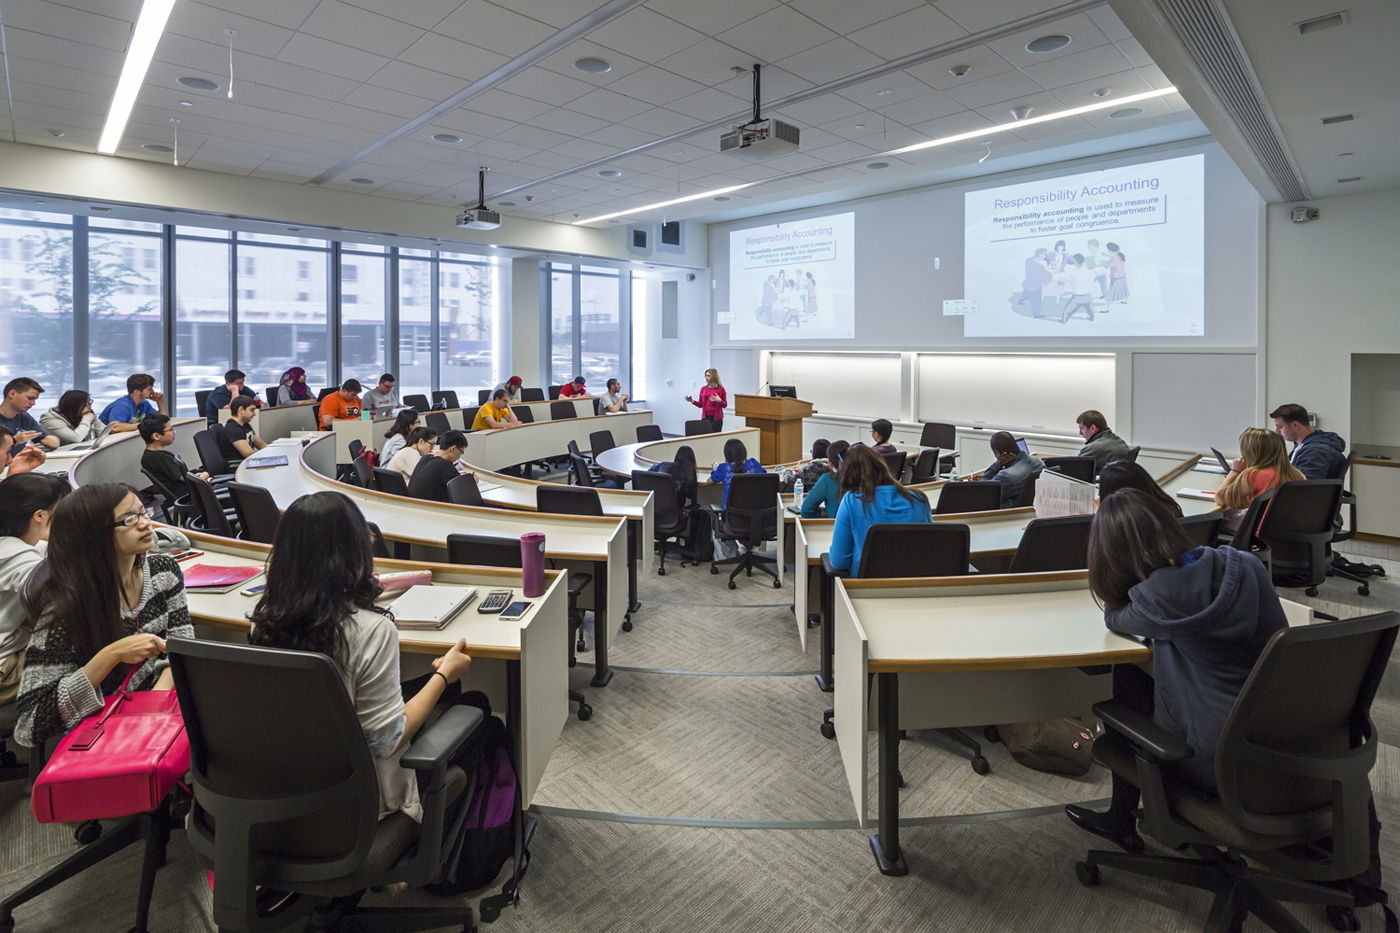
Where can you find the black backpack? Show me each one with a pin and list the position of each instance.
(702, 534)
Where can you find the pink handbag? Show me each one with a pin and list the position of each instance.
(121, 761)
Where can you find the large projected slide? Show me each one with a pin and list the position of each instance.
(1116, 253)
(793, 281)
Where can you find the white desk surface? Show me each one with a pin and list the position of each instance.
(708, 448)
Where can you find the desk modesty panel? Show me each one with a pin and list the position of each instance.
(119, 459)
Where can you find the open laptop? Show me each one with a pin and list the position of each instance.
(97, 441)
(1021, 443)
(1220, 458)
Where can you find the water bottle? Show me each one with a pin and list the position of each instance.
(797, 494)
(953, 475)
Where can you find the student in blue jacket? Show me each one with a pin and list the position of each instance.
(1208, 613)
(736, 460)
(826, 492)
(870, 495)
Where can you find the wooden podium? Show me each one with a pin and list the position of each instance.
(779, 421)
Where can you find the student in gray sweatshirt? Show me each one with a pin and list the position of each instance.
(1208, 614)
(27, 504)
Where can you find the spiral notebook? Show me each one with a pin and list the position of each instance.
(430, 608)
(208, 578)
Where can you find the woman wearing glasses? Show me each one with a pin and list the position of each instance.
(108, 605)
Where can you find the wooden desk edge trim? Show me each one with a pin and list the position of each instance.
(1179, 469)
(406, 643)
(1028, 663)
(1380, 463)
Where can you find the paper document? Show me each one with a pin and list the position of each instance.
(1057, 495)
(430, 607)
(1206, 494)
(258, 463)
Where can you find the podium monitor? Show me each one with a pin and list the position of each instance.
(782, 391)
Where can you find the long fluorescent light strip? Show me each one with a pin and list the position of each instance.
(150, 26)
(943, 141)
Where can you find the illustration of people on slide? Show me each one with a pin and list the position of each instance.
(1058, 283)
(788, 301)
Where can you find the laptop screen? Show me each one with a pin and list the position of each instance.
(1021, 443)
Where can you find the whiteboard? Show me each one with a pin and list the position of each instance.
(1035, 391)
(1194, 401)
(864, 385)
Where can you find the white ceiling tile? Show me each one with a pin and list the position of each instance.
(424, 14)
(468, 139)
(661, 122)
(1005, 86)
(1155, 76)
(279, 171)
(655, 86)
(822, 110)
(562, 62)
(801, 161)
(316, 161)
(53, 74)
(556, 13)
(713, 16)
(191, 123)
(463, 120)
(750, 171)
(921, 28)
(831, 61)
(229, 165)
(421, 150)
(63, 52)
(420, 82)
(866, 129)
(286, 123)
(57, 97)
(1081, 30)
(507, 106)
(836, 153)
(609, 105)
(778, 184)
(497, 149)
(1041, 103)
(180, 55)
(289, 102)
(51, 19)
(928, 107)
(977, 15)
(843, 16)
(549, 161)
(450, 57)
(656, 183)
(362, 119)
(333, 58)
(620, 137)
(778, 83)
(263, 136)
(1119, 85)
(1081, 66)
(56, 117)
(710, 104)
(981, 60)
(533, 137)
(958, 123)
(327, 147)
(36, 134)
(881, 93)
(387, 101)
(646, 34)
(288, 13)
(563, 120)
(716, 163)
(295, 79)
(1054, 128)
(585, 150)
(489, 26)
(206, 23)
(1108, 21)
(1132, 50)
(361, 29)
(710, 62)
(229, 145)
(1157, 107)
(776, 34)
(641, 162)
(545, 86)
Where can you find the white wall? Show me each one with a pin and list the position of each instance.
(676, 366)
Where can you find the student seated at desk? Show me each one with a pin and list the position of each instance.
(20, 396)
(814, 469)
(109, 603)
(825, 496)
(573, 389)
(128, 410)
(880, 430)
(1012, 468)
(1124, 475)
(1262, 464)
(1099, 442)
(223, 396)
(397, 436)
(1316, 454)
(430, 477)
(292, 387)
(22, 462)
(511, 387)
(72, 420)
(869, 496)
(420, 446)
(321, 599)
(341, 405)
(495, 413)
(682, 473)
(236, 439)
(614, 400)
(383, 398)
(1208, 612)
(27, 504)
(736, 460)
(158, 431)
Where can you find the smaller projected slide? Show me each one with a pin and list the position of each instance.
(1115, 253)
(793, 281)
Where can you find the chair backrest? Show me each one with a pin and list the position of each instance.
(160, 487)
(390, 481)
(926, 467)
(562, 409)
(1202, 530)
(201, 398)
(573, 447)
(211, 513)
(1051, 544)
(381, 547)
(1346, 468)
(364, 473)
(446, 395)
(895, 461)
(328, 390)
(210, 456)
(438, 422)
(418, 403)
(665, 499)
(1131, 456)
(1080, 468)
(257, 512)
(464, 491)
(915, 549)
(271, 393)
(702, 426)
(1297, 748)
(356, 446)
(579, 466)
(600, 441)
(648, 432)
(567, 500)
(936, 434)
(531, 395)
(483, 550)
(280, 765)
(1302, 511)
(524, 413)
(753, 498)
(554, 391)
(968, 497)
(483, 396)
(1245, 536)
(1027, 499)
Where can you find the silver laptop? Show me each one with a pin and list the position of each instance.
(97, 441)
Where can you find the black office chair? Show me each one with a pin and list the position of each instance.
(1131, 456)
(668, 521)
(257, 512)
(356, 447)
(750, 517)
(1080, 468)
(702, 426)
(212, 517)
(1246, 538)
(979, 496)
(925, 467)
(177, 509)
(647, 433)
(469, 418)
(1027, 500)
(296, 809)
(562, 409)
(1297, 527)
(554, 392)
(201, 398)
(1291, 772)
(1356, 571)
(206, 444)
(1203, 530)
(464, 491)
(271, 393)
(390, 481)
(483, 396)
(895, 461)
(1053, 544)
(446, 395)
(321, 395)
(936, 434)
(531, 395)
(377, 542)
(364, 473)
(600, 441)
(438, 422)
(524, 413)
(418, 403)
(567, 500)
(490, 551)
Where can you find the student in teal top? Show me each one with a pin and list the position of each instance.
(827, 491)
(125, 413)
(871, 496)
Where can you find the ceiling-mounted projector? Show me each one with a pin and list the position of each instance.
(479, 218)
(759, 138)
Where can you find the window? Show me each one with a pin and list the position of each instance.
(124, 323)
(250, 265)
(561, 329)
(276, 329)
(585, 331)
(36, 321)
(637, 352)
(415, 365)
(148, 260)
(250, 294)
(363, 321)
(203, 337)
(303, 269)
(5, 251)
(347, 299)
(467, 322)
(303, 296)
(349, 273)
(456, 280)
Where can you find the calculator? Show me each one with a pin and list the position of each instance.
(495, 601)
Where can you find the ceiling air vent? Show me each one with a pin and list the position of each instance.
(1322, 22)
(1340, 118)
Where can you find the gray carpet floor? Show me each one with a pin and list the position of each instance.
(989, 853)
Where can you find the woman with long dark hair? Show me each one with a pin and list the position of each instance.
(320, 597)
(397, 435)
(870, 495)
(682, 471)
(109, 605)
(736, 460)
(27, 504)
(1121, 474)
(880, 430)
(72, 420)
(1208, 612)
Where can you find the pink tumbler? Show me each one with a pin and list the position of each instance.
(532, 562)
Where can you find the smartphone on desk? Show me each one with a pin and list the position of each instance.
(254, 590)
(516, 610)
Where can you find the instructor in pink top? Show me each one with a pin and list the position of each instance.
(713, 399)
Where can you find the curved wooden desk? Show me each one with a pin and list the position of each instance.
(119, 459)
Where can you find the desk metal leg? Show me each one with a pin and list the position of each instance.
(634, 557)
(826, 589)
(601, 624)
(885, 842)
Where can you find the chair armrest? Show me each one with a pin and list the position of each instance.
(1142, 731)
(830, 570)
(434, 747)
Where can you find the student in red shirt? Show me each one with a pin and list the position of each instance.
(713, 399)
(1262, 465)
(573, 389)
(341, 405)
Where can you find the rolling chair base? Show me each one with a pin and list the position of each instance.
(979, 763)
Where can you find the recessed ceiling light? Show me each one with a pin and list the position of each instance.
(157, 147)
(958, 71)
(1340, 118)
(186, 103)
(57, 133)
(506, 203)
(362, 181)
(197, 84)
(593, 66)
(617, 189)
(446, 138)
(1343, 181)
(721, 198)
(876, 166)
(1126, 113)
(1021, 112)
(1102, 91)
(888, 90)
(860, 126)
(1051, 43)
(610, 173)
(679, 152)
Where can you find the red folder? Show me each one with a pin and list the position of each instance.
(206, 575)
